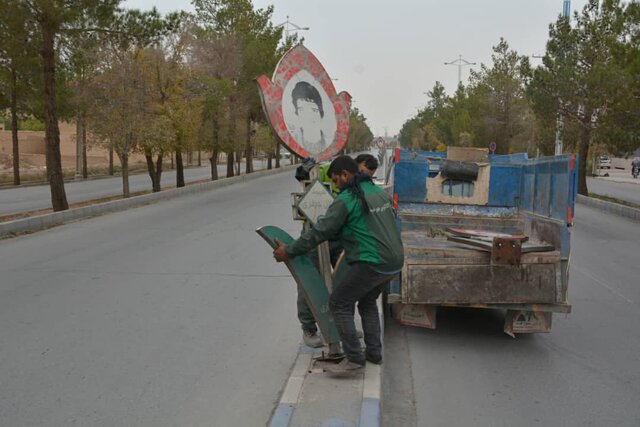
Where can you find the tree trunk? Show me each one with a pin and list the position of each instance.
(52, 132)
(155, 171)
(199, 158)
(230, 163)
(213, 160)
(238, 161)
(277, 155)
(179, 170)
(124, 164)
(14, 127)
(583, 150)
(79, 145)
(269, 157)
(111, 160)
(247, 150)
(84, 147)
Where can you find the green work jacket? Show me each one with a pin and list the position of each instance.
(372, 238)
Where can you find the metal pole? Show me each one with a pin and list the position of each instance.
(286, 25)
(566, 10)
(460, 63)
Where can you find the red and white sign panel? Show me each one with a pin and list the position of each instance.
(306, 113)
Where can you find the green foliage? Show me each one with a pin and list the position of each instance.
(31, 124)
(360, 136)
(590, 74)
(492, 108)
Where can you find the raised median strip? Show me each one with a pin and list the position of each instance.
(610, 207)
(312, 397)
(41, 222)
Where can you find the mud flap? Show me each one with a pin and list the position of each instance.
(527, 322)
(421, 315)
(309, 280)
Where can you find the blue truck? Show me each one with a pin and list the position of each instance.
(483, 231)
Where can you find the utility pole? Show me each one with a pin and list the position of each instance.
(566, 11)
(287, 30)
(460, 63)
(294, 28)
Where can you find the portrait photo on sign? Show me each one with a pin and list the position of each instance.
(308, 113)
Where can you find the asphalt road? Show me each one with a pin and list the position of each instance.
(28, 198)
(586, 372)
(172, 314)
(619, 190)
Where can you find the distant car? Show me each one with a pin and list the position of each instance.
(604, 162)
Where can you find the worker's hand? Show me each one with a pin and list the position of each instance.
(279, 253)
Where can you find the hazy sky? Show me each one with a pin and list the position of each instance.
(387, 54)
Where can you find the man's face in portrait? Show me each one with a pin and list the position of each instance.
(308, 111)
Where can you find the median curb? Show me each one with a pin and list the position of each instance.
(610, 207)
(309, 402)
(41, 222)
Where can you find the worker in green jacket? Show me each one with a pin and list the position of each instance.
(363, 219)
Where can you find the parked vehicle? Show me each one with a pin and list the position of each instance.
(491, 234)
(604, 162)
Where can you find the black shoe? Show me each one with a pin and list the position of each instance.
(376, 360)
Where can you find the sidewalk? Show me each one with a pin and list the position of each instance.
(617, 175)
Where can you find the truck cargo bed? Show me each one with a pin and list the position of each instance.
(438, 271)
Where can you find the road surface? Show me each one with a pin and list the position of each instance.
(173, 314)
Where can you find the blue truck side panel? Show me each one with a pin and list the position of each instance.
(504, 185)
(410, 180)
(545, 186)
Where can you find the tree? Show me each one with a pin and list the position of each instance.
(216, 62)
(500, 104)
(360, 136)
(117, 114)
(256, 41)
(53, 19)
(580, 76)
(18, 60)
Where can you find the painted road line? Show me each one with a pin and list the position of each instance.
(289, 399)
(370, 411)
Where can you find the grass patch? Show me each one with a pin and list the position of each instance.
(614, 200)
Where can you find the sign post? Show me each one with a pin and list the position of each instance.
(311, 120)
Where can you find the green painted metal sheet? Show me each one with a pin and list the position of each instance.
(309, 280)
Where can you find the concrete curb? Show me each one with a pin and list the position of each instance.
(610, 207)
(41, 222)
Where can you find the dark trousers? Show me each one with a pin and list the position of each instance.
(363, 285)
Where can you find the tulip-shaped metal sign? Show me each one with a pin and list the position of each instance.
(306, 113)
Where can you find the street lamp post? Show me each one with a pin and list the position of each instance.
(460, 63)
(566, 10)
(290, 27)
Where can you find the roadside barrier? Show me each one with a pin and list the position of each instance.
(610, 207)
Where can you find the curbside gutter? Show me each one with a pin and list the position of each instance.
(610, 207)
(41, 222)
